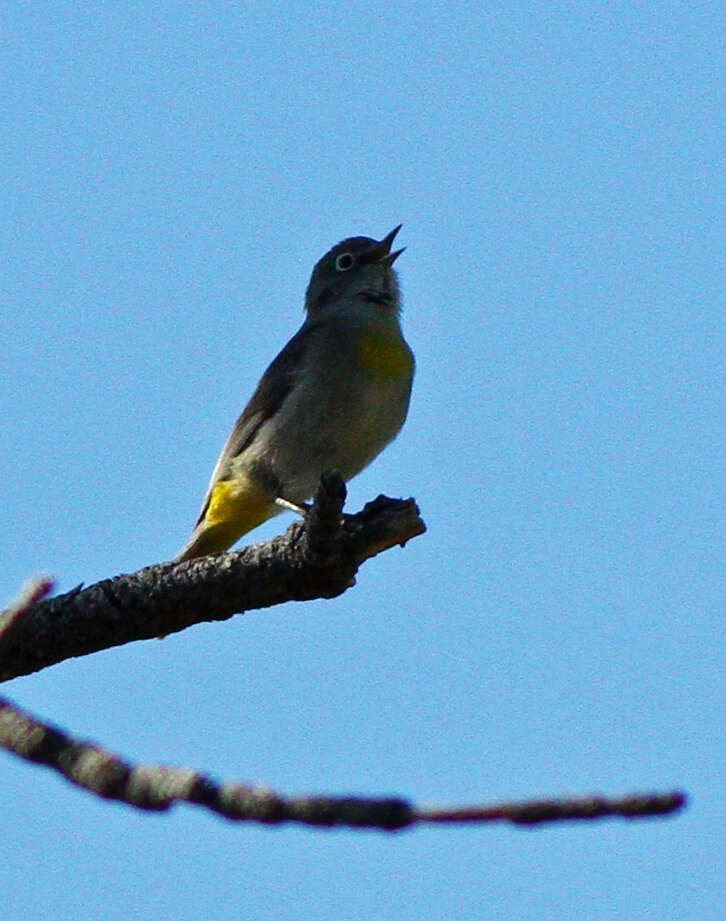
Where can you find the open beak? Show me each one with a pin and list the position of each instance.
(382, 252)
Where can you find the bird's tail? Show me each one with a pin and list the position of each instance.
(233, 508)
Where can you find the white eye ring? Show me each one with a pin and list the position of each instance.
(343, 262)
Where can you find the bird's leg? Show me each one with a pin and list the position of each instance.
(301, 510)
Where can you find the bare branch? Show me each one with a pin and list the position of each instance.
(315, 559)
(158, 788)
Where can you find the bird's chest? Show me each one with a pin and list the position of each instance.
(367, 402)
(384, 356)
(372, 381)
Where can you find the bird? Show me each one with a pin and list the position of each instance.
(333, 398)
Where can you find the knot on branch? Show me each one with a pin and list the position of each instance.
(324, 521)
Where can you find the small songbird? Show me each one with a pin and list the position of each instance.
(334, 397)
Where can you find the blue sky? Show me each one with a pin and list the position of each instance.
(170, 175)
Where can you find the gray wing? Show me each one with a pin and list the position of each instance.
(272, 391)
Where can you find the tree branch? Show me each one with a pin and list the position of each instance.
(158, 788)
(317, 558)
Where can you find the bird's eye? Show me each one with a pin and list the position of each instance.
(344, 262)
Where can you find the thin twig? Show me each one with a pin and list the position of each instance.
(158, 788)
(33, 591)
(537, 812)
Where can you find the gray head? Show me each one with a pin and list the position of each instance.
(357, 268)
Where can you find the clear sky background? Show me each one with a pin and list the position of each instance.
(170, 173)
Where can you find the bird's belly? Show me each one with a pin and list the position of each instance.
(347, 429)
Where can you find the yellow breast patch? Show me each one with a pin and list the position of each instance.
(385, 353)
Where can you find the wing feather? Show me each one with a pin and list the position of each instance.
(272, 391)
